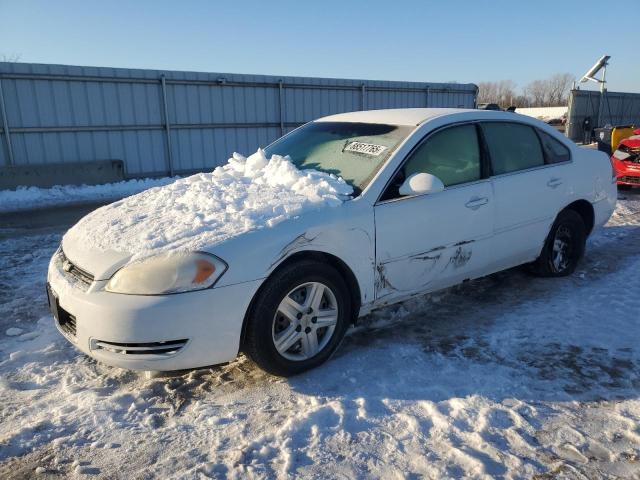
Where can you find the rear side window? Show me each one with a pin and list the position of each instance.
(512, 147)
(452, 155)
(554, 151)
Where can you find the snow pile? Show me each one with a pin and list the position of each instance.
(207, 208)
(25, 198)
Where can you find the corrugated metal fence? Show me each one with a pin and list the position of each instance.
(161, 122)
(617, 109)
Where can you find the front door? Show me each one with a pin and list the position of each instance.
(427, 242)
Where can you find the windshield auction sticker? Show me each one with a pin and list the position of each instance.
(366, 148)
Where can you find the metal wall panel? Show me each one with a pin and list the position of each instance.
(59, 113)
(617, 109)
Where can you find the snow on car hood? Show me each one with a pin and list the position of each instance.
(202, 210)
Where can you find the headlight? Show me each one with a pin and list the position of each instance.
(168, 273)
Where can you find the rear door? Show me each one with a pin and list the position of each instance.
(529, 185)
(426, 242)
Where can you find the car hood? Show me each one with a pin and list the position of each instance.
(198, 212)
(631, 142)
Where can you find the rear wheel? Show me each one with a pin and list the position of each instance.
(563, 247)
(298, 319)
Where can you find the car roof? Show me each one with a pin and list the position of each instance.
(395, 116)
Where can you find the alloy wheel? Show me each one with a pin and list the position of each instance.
(305, 321)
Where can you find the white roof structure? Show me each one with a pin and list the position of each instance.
(396, 116)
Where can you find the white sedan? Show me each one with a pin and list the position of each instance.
(276, 255)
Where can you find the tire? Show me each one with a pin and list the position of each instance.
(563, 247)
(285, 312)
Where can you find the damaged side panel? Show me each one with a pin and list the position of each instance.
(346, 232)
(421, 271)
(304, 241)
(428, 242)
(353, 244)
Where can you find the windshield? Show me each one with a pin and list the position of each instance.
(353, 151)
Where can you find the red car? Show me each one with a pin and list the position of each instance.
(626, 161)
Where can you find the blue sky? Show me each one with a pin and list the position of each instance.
(465, 41)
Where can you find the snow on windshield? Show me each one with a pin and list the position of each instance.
(207, 208)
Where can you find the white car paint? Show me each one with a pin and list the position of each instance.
(394, 249)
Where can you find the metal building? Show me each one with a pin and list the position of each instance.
(169, 122)
(617, 109)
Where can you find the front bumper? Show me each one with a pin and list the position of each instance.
(627, 173)
(164, 332)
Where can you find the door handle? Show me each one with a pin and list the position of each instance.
(476, 202)
(554, 183)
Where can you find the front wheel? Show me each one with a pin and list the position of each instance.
(563, 247)
(298, 318)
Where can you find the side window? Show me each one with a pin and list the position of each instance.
(452, 155)
(554, 151)
(512, 147)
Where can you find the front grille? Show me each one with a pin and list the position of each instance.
(168, 348)
(73, 271)
(67, 322)
(627, 179)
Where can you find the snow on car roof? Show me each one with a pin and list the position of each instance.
(395, 116)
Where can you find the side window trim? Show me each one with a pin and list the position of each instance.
(531, 169)
(485, 164)
(545, 156)
(485, 154)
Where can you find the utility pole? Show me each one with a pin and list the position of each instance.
(591, 75)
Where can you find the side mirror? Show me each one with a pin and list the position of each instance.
(420, 184)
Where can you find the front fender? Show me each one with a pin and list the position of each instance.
(346, 232)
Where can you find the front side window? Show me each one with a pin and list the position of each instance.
(452, 155)
(353, 151)
(554, 150)
(512, 147)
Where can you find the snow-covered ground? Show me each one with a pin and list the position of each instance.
(508, 376)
